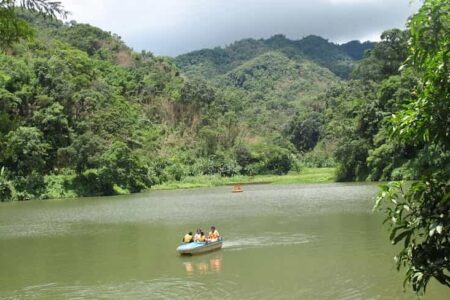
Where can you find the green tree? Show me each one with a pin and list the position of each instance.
(83, 153)
(419, 216)
(386, 57)
(53, 123)
(26, 151)
(270, 159)
(353, 113)
(244, 158)
(120, 167)
(304, 133)
(13, 29)
(7, 190)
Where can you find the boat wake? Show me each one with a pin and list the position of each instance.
(269, 240)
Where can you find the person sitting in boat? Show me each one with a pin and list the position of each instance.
(202, 237)
(197, 235)
(213, 235)
(188, 238)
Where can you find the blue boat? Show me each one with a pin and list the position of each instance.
(199, 247)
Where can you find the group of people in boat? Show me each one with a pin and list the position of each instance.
(199, 236)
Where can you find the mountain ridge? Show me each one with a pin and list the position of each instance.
(340, 59)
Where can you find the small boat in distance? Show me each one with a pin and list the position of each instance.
(199, 247)
(237, 188)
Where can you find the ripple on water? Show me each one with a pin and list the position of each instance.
(30, 230)
(161, 288)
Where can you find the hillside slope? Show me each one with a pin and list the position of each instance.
(82, 114)
(273, 88)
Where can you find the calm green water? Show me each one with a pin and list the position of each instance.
(282, 242)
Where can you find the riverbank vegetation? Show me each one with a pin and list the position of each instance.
(306, 175)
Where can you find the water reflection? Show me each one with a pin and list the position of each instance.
(216, 264)
(203, 265)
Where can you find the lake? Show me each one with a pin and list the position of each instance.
(281, 241)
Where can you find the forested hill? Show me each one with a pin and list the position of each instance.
(209, 63)
(274, 79)
(82, 114)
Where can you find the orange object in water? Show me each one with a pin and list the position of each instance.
(237, 189)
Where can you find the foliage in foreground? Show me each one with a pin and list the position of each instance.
(419, 217)
(420, 221)
(14, 28)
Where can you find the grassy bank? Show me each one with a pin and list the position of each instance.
(307, 175)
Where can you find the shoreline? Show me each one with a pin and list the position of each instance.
(306, 175)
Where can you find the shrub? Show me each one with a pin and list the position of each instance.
(221, 164)
(30, 187)
(7, 190)
(60, 186)
(317, 159)
(270, 159)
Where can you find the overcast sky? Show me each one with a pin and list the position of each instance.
(171, 27)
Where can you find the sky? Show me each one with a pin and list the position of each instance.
(172, 27)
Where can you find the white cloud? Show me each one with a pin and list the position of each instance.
(353, 1)
(175, 26)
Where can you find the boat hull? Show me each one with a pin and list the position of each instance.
(199, 247)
